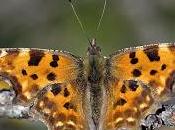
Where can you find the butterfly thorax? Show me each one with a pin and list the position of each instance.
(95, 72)
(95, 63)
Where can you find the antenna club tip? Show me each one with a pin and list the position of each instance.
(70, 1)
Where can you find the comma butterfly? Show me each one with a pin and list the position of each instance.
(95, 93)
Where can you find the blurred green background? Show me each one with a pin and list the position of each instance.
(51, 24)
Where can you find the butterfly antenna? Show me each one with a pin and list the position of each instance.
(102, 14)
(78, 19)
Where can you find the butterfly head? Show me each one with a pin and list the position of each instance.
(93, 49)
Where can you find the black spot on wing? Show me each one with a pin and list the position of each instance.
(120, 102)
(24, 72)
(51, 76)
(56, 89)
(134, 61)
(123, 89)
(68, 105)
(136, 73)
(133, 85)
(163, 67)
(66, 92)
(54, 64)
(35, 57)
(132, 55)
(55, 57)
(152, 53)
(34, 76)
(153, 72)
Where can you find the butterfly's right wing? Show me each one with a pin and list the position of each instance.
(135, 80)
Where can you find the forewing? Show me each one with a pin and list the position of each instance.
(135, 80)
(32, 70)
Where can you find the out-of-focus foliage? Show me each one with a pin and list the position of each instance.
(51, 24)
(7, 124)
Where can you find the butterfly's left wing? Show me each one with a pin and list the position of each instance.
(135, 79)
(54, 78)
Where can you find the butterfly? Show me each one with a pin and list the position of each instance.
(92, 93)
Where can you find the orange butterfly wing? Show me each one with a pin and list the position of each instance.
(135, 79)
(33, 70)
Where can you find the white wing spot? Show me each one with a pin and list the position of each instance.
(4, 53)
